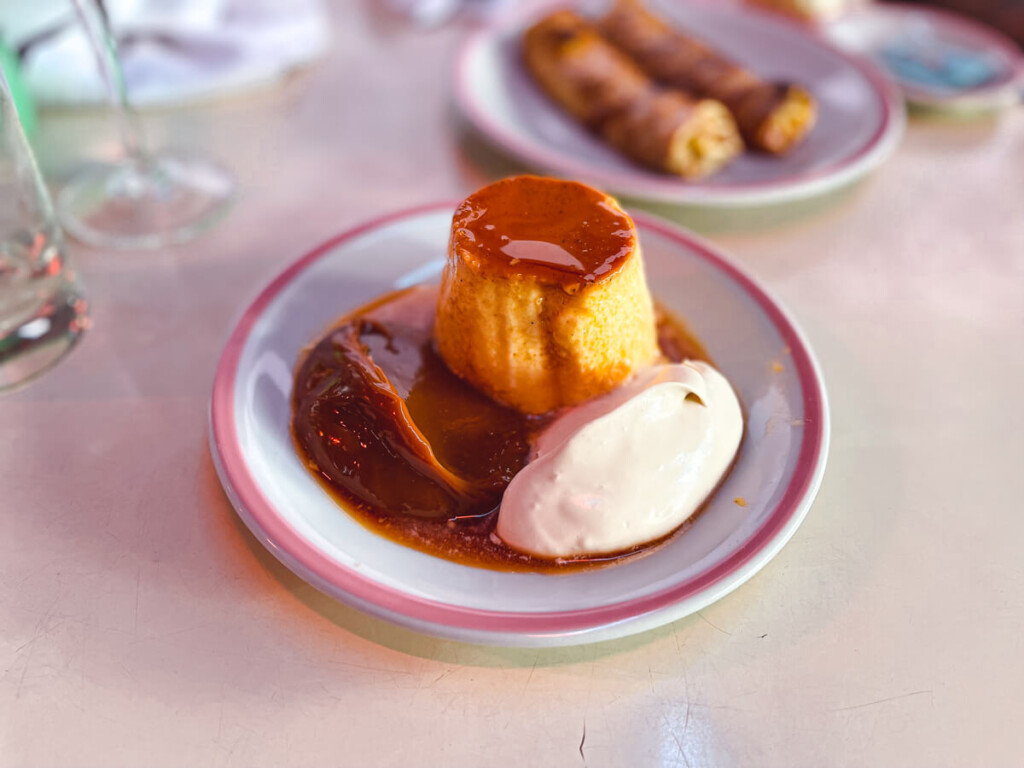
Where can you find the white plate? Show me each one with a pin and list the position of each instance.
(860, 113)
(750, 338)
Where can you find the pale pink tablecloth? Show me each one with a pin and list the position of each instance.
(140, 624)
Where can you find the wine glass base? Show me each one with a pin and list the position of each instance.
(145, 204)
(35, 342)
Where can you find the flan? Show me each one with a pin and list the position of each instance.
(543, 300)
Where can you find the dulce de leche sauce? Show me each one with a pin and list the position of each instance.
(549, 229)
(408, 448)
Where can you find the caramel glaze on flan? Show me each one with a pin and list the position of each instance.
(543, 299)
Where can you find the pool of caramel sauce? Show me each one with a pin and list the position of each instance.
(436, 486)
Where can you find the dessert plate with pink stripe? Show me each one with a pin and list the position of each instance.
(752, 515)
(860, 112)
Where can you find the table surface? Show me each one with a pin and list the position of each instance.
(141, 624)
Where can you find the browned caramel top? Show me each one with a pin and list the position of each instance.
(549, 229)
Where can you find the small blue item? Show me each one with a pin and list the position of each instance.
(939, 65)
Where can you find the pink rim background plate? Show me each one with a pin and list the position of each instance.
(861, 113)
(748, 334)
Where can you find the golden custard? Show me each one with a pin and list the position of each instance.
(543, 299)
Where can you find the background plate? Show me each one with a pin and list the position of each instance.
(860, 121)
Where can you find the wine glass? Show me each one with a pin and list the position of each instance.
(43, 310)
(146, 199)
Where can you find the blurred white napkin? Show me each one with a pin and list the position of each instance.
(171, 50)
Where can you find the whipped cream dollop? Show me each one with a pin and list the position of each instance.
(625, 468)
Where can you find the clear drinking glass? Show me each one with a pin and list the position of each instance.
(43, 311)
(146, 199)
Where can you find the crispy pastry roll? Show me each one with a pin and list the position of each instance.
(606, 91)
(773, 117)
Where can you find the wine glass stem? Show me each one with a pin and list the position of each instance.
(101, 39)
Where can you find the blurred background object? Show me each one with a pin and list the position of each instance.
(1005, 15)
(941, 60)
(10, 65)
(807, 10)
(42, 309)
(860, 113)
(173, 50)
(145, 199)
(436, 13)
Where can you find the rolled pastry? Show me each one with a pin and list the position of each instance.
(607, 92)
(773, 117)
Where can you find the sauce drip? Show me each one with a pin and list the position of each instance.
(379, 415)
(550, 229)
(407, 447)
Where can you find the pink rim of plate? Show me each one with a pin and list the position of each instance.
(342, 582)
(792, 187)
